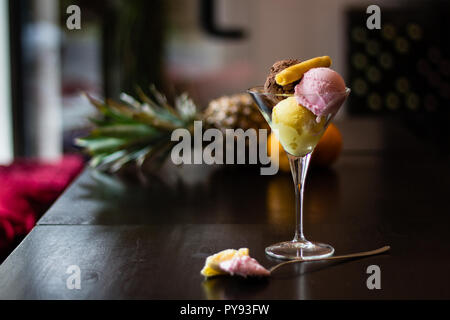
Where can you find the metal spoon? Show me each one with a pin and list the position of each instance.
(347, 256)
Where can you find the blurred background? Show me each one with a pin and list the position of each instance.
(212, 48)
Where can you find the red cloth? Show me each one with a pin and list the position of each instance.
(27, 189)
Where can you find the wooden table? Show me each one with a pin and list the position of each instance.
(148, 242)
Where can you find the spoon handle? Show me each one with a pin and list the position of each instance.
(347, 256)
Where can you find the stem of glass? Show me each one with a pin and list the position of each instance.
(299, 169)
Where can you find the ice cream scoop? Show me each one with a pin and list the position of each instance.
(322, 91)
(296, 127)
(271, 85)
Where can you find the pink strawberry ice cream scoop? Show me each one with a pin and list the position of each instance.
(244, 266)
(322, 91)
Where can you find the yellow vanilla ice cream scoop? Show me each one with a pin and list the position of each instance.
(296, 127)
(212, 264)
(296, 71)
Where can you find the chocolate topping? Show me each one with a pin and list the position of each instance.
(271, 85)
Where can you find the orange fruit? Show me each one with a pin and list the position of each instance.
(282, 159)
(329, 147)
(325, 154)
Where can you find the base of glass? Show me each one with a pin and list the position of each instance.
(303, 249)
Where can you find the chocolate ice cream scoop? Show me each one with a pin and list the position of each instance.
(271, 85)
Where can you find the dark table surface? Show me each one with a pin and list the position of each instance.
(149, 241)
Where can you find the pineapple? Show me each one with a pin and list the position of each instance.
(133, 130)
(237, 111)
(233, 112)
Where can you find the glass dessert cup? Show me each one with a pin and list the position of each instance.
(299, 139)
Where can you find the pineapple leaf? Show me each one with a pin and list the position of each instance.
(186, 107)
(154, 121)
(130, 100)
(160, 98)
(99, 122)
(120, 108)
(135, 130)
(165, 111)
(97, 104)
(97, 160)
(105, 158)
(128, 131)
(129, 157)
(118, 116)
(96, 145)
